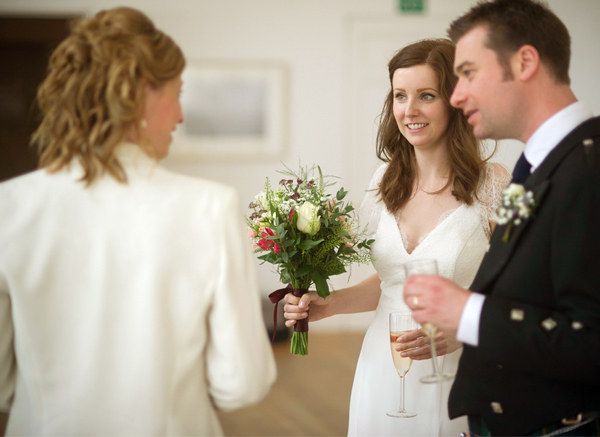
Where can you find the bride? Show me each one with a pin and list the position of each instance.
(432, 197)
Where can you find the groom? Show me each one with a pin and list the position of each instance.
(531, 319)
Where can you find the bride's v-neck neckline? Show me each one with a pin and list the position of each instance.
(404, 238)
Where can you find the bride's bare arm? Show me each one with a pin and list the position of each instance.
(361, 297)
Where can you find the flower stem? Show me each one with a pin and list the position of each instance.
(299, 344)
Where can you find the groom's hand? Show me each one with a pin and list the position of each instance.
(436, 300)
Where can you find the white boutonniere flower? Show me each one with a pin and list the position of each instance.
(517, 204)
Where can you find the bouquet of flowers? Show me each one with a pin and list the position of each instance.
(307, 234)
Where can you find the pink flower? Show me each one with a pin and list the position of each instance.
(276, 248)
(251, 233)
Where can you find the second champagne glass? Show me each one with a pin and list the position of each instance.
(428, 267)
(401, 322)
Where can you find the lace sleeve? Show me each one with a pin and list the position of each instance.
(370, 209)
(495, 178)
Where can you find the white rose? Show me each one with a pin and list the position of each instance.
(308, 219)
(515, 190)
(261, 198)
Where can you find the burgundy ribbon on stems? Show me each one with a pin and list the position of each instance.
(276, 296)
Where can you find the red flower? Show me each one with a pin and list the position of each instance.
(276, 248)
(266, 232)
(265, 244)
(292, 212)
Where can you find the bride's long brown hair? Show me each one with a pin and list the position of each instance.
(464, 151)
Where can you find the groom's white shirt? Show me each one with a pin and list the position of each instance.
(538, 147)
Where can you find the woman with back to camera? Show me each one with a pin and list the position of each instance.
(128, 297)
(433, 197)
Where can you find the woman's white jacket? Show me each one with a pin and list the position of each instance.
(126, 309)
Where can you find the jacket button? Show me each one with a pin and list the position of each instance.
(496, 407)
(549, 324)
(517, 315)
(576, 325)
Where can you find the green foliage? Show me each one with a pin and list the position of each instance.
(281, 234)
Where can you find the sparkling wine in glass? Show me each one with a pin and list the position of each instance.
(401, 322)
(428, 267)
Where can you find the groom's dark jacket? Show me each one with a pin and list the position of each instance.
(538, 358)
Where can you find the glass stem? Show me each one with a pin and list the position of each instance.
(402, 409)
(434, 357)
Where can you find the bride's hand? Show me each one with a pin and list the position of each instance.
(415, 345)
(296, 308)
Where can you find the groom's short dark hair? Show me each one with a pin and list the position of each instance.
(512, 24)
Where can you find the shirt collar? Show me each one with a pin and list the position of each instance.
(553, 130)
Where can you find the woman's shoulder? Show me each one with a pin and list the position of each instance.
(193, 189)
(36, 184)
(195, 183)
(498, 170)
(380, 170)
(381, 166)
(495, 176)
(493, 181)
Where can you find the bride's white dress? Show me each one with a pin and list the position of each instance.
(458, 243)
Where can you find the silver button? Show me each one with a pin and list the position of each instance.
(576, 325)
(572, 420)
(517, 315)
(588, 142)
(549, 324)
(497, 407)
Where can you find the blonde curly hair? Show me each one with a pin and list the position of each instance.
(94, 92)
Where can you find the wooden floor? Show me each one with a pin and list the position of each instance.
(311, 395)
(309, 398)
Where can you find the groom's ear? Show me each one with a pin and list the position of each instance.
(525, 62)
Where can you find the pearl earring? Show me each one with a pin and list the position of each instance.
(144, 123)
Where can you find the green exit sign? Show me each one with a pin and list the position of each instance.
(412, 6)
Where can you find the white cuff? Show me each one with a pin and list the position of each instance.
(468, 327)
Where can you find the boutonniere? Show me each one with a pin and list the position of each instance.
(517, 204)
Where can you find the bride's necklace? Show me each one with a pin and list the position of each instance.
(434, 192)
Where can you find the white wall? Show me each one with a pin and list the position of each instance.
(336, 53)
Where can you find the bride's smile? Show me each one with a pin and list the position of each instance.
(419, 110)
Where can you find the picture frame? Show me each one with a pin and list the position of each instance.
(232, 110)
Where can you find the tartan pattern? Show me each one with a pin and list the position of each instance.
(478, 428)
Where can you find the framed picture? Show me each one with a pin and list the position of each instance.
(232, 110)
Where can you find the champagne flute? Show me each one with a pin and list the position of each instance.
(401, 322)
(428, 267)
